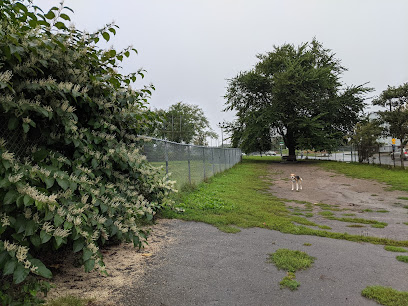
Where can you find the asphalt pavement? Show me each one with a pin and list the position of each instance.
(204, 266)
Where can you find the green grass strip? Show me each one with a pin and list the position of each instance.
(394, 177)
(386, 295)
(392, 248)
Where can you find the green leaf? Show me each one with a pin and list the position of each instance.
(78, 245)
(10, 266)
(20, 273)
(35, 240)
(4, 255)
(60, 25)
(94, 163)
(112, 30)
(89, 265)
(30, 228)
(49, 182)
(64, 184)
(58, 220)
(10, 197)
(86, 254)
(50, 15)
(59, 241)
(28, 200)
(44, 236)
(26, 127)
(65, 17)
(40, 155)
(12, 123)
(106, 36)
(41, 268)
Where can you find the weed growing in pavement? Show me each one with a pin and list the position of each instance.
(403, 198)
(348, 215)
(402, 258)
(290, 261)
(367, 210)
(386, 295)
(307, 244)
(391, 248)
(382, 211)
(289, 281)
(377, 225)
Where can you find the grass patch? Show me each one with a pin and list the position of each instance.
(406, 223)
(324, 227)
(358, 220)
(392, 248)
(382, 211)
(377, 225)
(307, 244)
(326, 213)
(239, 198)
(290, 260)
(403, 198)
(289, 281)
(403, 259)
(386, 295)
(395, 178)
(367, 210)
(348, 215)
(308, 215)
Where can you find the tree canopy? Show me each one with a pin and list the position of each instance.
(184, 122)
(396, 118)
(296, 93)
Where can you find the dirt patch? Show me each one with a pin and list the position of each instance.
(364, 198)
(125, 264)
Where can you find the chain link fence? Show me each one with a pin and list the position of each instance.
(189, 164)
(378, 155)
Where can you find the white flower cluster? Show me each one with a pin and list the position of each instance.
(5, 76)
(37, 195)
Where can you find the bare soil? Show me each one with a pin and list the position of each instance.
(346, 195)
(125, 265)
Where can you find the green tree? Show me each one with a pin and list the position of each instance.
(396, 118)
(299, 93)
(186, 123)
(366, 135)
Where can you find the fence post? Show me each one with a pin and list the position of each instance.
(189, 169)
(204, 162)
(212, 159)
(166, 157)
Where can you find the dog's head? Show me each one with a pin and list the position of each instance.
(292, 176)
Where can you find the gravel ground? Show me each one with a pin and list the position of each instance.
(189, 263)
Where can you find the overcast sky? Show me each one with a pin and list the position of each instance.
(191, 47)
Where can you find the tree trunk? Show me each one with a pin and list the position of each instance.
(291, 144)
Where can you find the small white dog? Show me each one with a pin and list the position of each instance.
(296, 179)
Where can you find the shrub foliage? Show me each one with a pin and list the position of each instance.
(71, 171)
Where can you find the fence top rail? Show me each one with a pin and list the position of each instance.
(183, 144)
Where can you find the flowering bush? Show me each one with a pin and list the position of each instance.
(71, 172)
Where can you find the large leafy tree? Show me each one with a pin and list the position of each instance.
(366, 135)
(395, 99)
(186, 123)
(297, 93)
